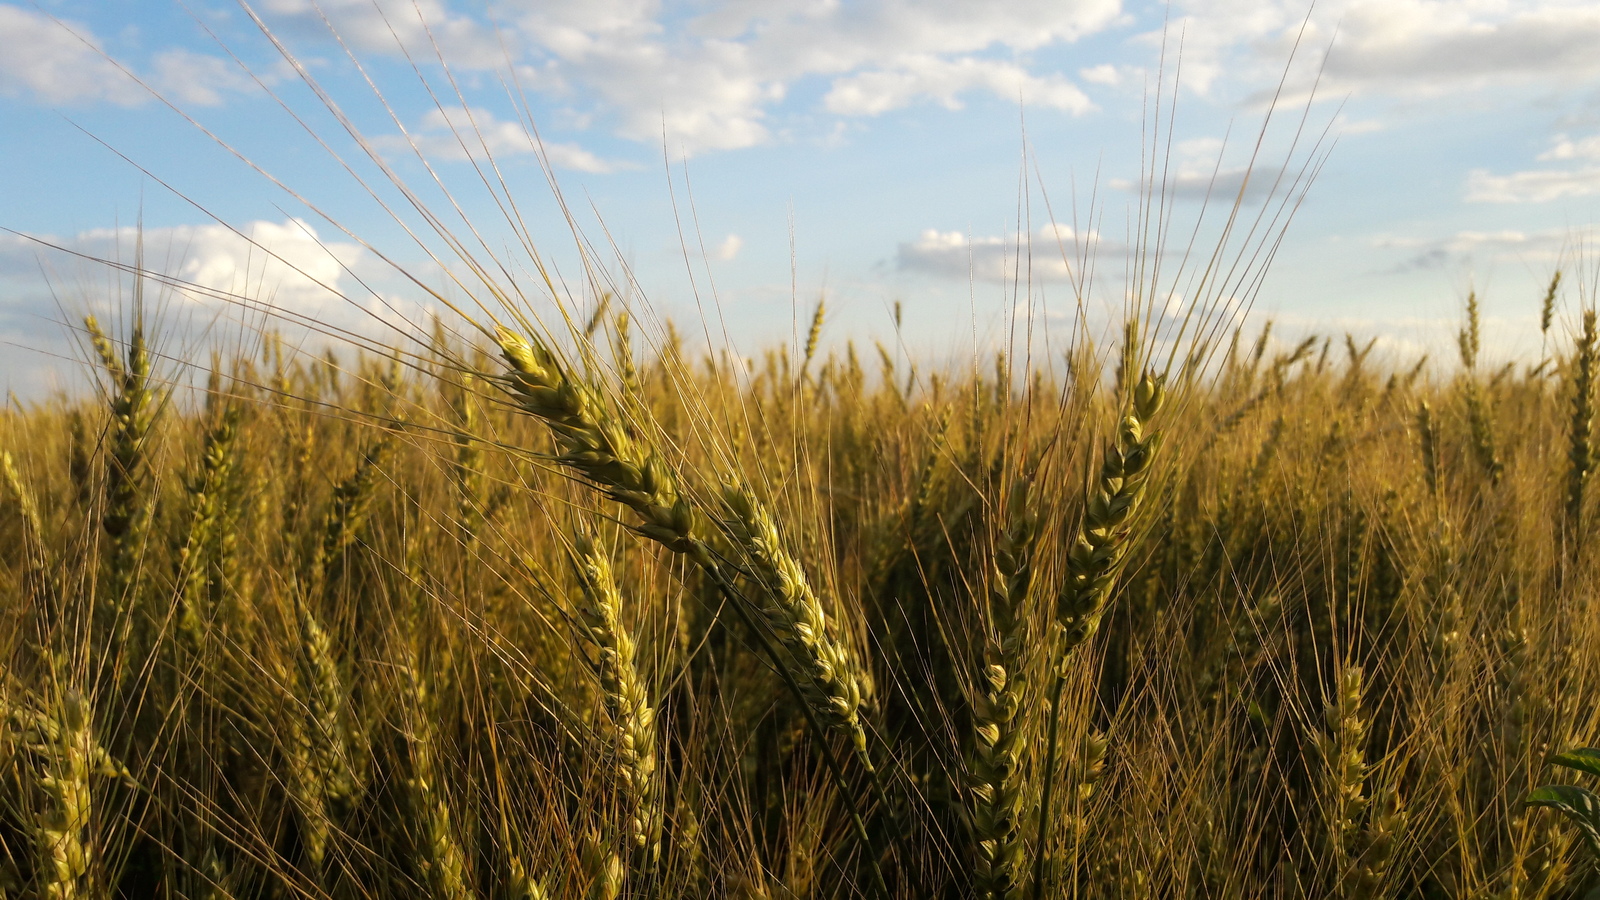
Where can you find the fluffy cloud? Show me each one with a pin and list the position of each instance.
(710, 76)
(285, 264)
(63, 63)
(1406, 48)
(1046, 256)
(416, 27)
(729, 248)
(1424, 46)
(943, 81)
(1223, 186)
(42, 58)
(460, 134)
(1543, 185)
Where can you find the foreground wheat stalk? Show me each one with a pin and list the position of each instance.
(1093, 564)
(593, 443)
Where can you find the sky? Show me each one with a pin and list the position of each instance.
(728, 163)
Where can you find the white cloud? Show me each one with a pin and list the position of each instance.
(1564, 147)
(711, 76)
(1424, 46)
(729, 248)
(284, 263)
(1543, 185)
(1105, 73)
(41, 58)
(195, 79)
(1397, 48)
(461, 134)
(61, 62)
(1536, 186)
(952, 254)
(414, 27)
(1466, 247)
(878, 91)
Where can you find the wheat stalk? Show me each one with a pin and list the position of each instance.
(1093, 563)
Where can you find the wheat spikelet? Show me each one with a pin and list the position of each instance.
(321, 744)
(1344, 756)
(1363, 832)
(37, 577)
(1430, 447)
(813, 335)
(444, 860)
(632, 718)
(1469, 338)
(1547, 308)
(467, 469)
(1481, 426)
(29, 509)
(321, 779)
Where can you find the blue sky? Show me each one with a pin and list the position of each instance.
(869, 151)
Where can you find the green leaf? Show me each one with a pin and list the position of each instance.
(1579, 805)
(1582, 759)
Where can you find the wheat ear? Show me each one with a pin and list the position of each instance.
(627, 706)
(128, 509)
(323, 779)
(825, 670)
(37, 552)
(1580, 454)
(205, 542)
(1344, 753)
(59, 737)
(1363, 832)
(998, 786)
(446, 862)
(1093, 564)
(593, 443)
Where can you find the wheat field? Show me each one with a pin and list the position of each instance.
(546, 601)
(538, 615)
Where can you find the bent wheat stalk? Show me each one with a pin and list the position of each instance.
(593, 443)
